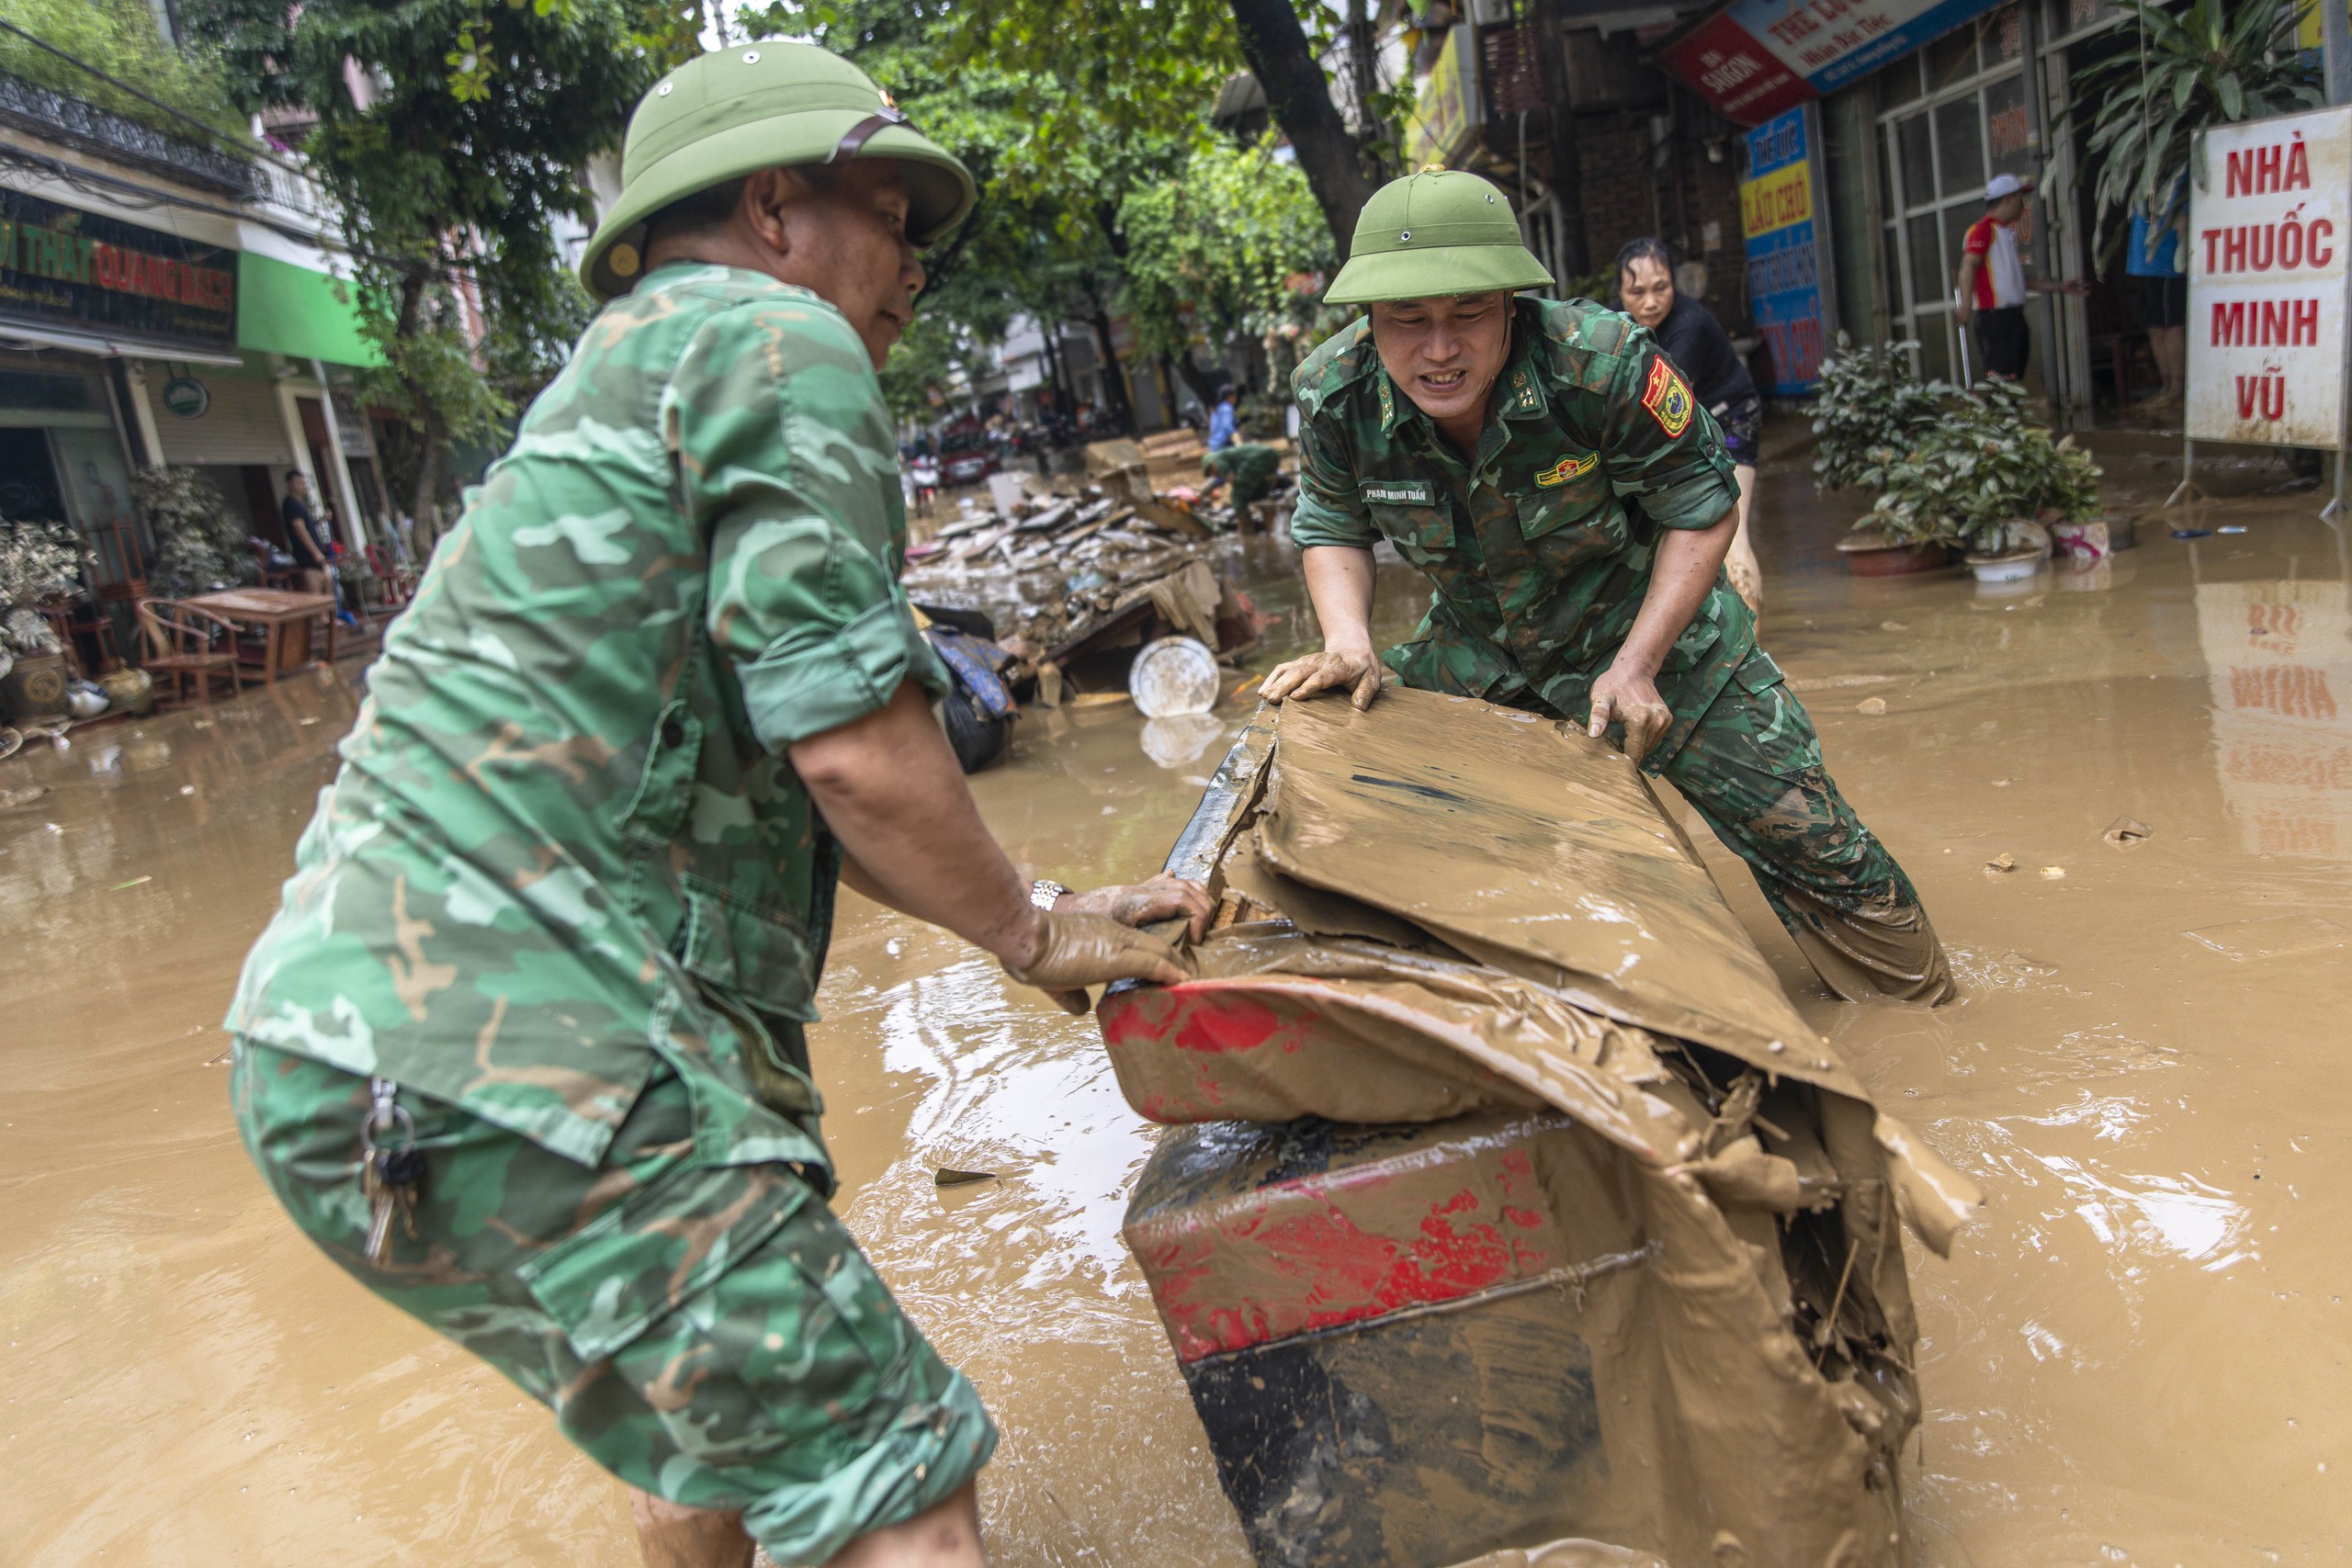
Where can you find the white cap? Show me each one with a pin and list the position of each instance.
(2004, 185)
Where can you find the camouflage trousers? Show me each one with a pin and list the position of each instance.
(1252, 466)
(1751, 766)
(1752, 769)
(708, 1334)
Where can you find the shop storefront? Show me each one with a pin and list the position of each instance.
(82, 293)
(122, 345)
(1921, 104)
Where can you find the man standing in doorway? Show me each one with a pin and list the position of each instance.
(1992, 283)
(306, 533)
(309, 529)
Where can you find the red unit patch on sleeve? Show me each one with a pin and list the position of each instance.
(1667, 397)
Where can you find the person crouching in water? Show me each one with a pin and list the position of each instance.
(1703, 351)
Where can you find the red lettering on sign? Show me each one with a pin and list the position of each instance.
(2265, 395)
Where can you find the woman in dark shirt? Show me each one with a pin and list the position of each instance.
(1697, 344)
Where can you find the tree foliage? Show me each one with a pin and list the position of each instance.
(120, 36)
(1233, 242)
(2188, 68)
(449, 173)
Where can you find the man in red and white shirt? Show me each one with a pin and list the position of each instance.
(1992, 283)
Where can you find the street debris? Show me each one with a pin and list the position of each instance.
(2054, 873)
(2001, 865)
(2126, 831)
(1069, 587)
(1873, 706)
(947, 1176)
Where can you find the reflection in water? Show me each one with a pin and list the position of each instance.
(2279, 657)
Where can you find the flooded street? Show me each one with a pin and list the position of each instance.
(2138, 1355)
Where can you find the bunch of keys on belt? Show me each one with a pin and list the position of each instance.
(388, 1174)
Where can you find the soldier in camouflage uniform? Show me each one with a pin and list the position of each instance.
(1548, 468)
(1252, 466)
(523, 1050)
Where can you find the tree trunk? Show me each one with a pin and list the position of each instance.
(1116, 402)
(431, 435)
(1560, 133)
(1363, 81)
(1299, 97)
(1199, 382)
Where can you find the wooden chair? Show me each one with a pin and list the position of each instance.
(179, 639)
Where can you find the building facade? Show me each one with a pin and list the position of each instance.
(170, 300)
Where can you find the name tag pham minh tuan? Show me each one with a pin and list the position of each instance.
(1565, 469)
(1401, 493)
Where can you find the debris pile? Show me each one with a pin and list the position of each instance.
(1076, 583)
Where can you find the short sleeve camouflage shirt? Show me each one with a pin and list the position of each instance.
(564, 840)
(1540, 548)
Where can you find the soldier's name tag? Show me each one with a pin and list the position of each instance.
(1567, 468)
(1667, 397)
(1399, 493)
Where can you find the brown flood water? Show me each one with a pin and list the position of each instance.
(2138, 1355)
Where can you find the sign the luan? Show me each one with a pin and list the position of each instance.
(73, 269)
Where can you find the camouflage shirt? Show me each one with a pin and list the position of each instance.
(563, 842)
(1540, 548)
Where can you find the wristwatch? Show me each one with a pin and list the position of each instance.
(1045, 892)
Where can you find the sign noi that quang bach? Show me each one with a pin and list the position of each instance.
(2266, 256)
(99, 275)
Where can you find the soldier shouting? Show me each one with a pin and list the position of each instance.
(523, 1050)
(1548, 468)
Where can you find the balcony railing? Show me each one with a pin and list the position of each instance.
(59, 116)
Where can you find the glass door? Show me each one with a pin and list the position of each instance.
(1951, 116)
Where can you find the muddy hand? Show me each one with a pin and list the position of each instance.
(1164, 897)
(1358, 673)
(1074, 952)
(1632, 700)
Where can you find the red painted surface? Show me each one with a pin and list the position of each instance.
(1322, 1251)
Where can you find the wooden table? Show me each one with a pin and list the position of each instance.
(285, 617)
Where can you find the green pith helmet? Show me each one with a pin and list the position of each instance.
(756, 106)
(1437, 233)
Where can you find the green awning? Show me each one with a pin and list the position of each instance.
(304, 315)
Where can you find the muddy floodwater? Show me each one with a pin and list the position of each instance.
(2139, 1355)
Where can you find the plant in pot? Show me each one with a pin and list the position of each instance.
(199, 542)
(39, 562)
(1985, 478)
(1872, 412)
(2189, 68)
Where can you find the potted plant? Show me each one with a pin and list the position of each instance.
(1870, 412)
(38, 561)
(1985, 478)
(2190, 67)
(199, 542)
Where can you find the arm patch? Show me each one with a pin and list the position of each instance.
(1667, 397)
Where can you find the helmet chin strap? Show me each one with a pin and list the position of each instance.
(863, 131)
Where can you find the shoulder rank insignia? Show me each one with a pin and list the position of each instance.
(1565, 469)
(1667, 397)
